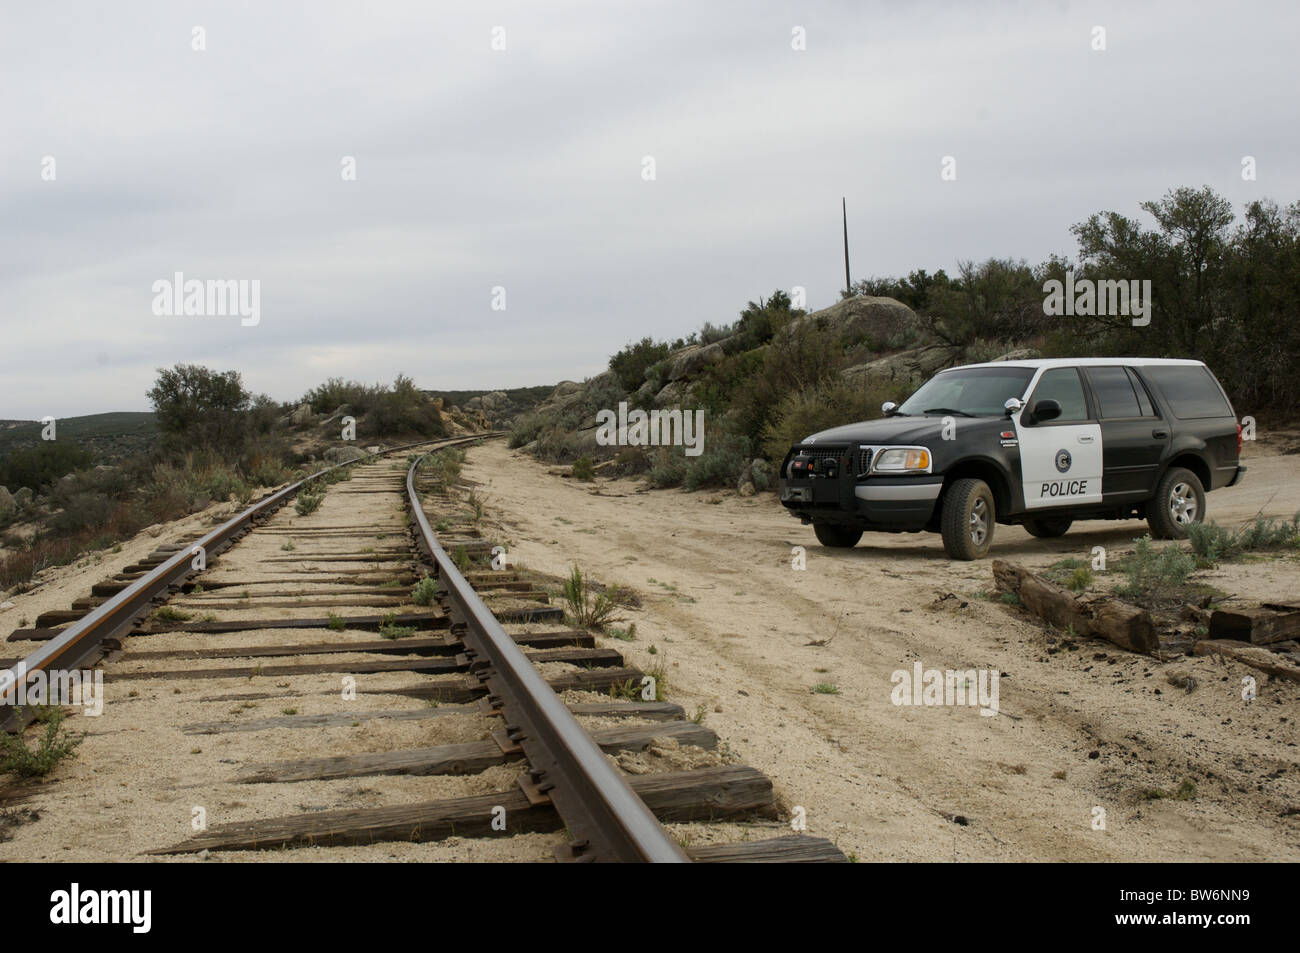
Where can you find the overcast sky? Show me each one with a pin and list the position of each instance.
(522, 168)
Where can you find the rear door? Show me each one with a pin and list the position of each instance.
(1133, 435)
(1060, 460)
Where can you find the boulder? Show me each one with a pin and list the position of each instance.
(496, 400)
(690, 361)
(671, 394)
(914, 365)
(301, 415)
(863, 319)
(7, 504)
(565, 389)
(23, 497)
(343, 454)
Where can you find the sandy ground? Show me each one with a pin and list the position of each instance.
(1065, 771)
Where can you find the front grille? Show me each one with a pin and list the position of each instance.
(864, 462)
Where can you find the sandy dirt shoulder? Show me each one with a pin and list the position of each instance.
(1080, 731)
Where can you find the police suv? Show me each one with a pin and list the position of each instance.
(1039, 443)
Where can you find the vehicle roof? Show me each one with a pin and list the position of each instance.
(1087, 362)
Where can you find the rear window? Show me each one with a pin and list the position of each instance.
(1114, 391)
(1190, 389)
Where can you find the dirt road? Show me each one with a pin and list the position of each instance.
(1069, 768)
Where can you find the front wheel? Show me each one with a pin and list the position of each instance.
(968, 519)
(1048, 527)
(836, 536)
(1179, 502)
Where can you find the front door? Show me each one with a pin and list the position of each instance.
(1060, 460)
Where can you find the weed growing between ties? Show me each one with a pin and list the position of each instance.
(53, 743)
(309, 499)
(425, 591)
(1156, 574)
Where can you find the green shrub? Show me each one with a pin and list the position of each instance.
(724, 456)
(587, 608)
(1155, 572)
(425, 591)
(1080, 579)
(52, 746)
(1210, 542)
(525, 429)
(631, 363)
(668, 470)
(583, 469)
(309, 499)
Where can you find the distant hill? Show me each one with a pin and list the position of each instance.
(501, 405)
(109, 437)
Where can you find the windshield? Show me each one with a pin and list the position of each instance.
(970, 391)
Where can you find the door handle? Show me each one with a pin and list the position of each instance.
(1085, 439)
(1160, 434)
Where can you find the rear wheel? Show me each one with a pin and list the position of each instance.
(836, 536)
(968, 519)
(1179, 502)
(1048, 527)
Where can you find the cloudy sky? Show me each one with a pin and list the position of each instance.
(523, 168)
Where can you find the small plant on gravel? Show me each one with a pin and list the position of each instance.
(425, 591)
(288, 711)
(197, 590)
(660, 675)
(396, 631)
(700, 712)
(1080, 579)
(625, 691)
(337, 622)
(591, 610)
(288, 546)
(1009, 598)
(441, 526)
(584, 470)
(825, 688)
(309, 499)
(623, 635)
(171, 614)
(461, 558)
(52, 745)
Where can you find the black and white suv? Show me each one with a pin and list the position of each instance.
(1041, 443)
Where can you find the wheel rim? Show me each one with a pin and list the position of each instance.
(1182, 504)
(979, 521)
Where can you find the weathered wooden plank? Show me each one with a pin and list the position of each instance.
(1127, 626)
(420, 620)
(416, 663)
(287, 601)
(654, 711)
(1251, 655)
(792, 849)
(728, 791)
(467, 758)
(1271, 622)
(595, 680)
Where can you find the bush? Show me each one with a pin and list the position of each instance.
(525, 429)
(631, 363)
(669, 469)
(583, 469)
(1210, 542)
(591, 610)
(816, 408)
(425, 591)
(444, 466)
(1156, 572)
(53, 745)
(404, 409)
(309, 499)
(724, 456)
(42, 465)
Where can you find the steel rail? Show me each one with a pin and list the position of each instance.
(608, 821)
(81, 644)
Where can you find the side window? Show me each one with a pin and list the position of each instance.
(1144, 399)
(1114, 391)
(1062, 385)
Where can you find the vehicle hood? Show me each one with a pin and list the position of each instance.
(899, 430)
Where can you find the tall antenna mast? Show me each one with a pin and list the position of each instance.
(848, 284)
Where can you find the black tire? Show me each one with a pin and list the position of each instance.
(837, 536)
(968, 519)
(1048, 527)
(1178, 503)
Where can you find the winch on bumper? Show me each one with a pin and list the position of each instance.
(835, 483)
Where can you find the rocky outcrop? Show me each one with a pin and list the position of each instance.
(301, 415)
(864, 319)
(689, 362)
(1019, 354)
(7, 504)
(915, 364)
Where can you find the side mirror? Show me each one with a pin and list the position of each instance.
(1013, 405)
(1046, 410)
(888, 408)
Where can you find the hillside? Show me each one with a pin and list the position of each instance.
(109, 437)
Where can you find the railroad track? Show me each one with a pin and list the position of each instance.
(305, 689)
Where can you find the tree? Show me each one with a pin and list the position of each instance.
(199, 408)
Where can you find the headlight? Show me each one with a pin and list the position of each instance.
(902, 460)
